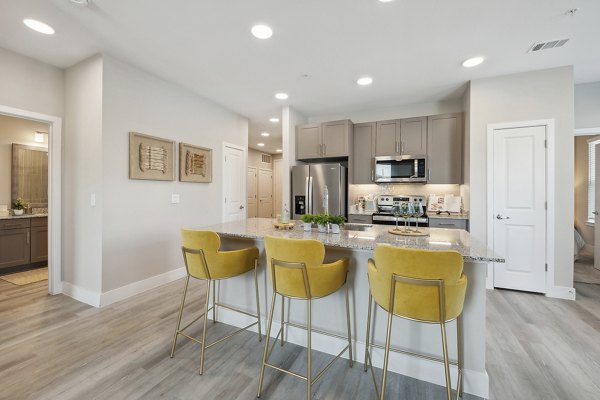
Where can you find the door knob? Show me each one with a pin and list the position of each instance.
(499, 216)
(595, 213)
(241, 207)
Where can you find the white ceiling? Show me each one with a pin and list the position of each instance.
(413, 49)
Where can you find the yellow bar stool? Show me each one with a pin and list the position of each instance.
(204, 261)
(297, 272)
(421, 285)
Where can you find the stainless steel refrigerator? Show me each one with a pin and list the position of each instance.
(308, 189)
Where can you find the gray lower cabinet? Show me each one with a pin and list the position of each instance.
(360, 218)
(445, 148)
(363, 153)
(23, 241)
(14, 243)
(449, 223)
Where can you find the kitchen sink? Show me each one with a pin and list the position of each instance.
(356, 227)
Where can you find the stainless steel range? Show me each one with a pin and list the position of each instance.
(385, 204)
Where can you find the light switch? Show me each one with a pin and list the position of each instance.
(174, 198)
(93, 200)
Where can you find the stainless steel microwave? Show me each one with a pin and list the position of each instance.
(400, 169)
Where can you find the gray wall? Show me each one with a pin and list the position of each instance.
(587, 105)
(527, 96)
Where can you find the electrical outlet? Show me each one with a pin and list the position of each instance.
(174, 199)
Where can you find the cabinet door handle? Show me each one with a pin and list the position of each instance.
(11, 226)
(402, 147)
(372, 176)
(27, 237)
(324, 149)
(428, 174)
(396, 147)
(442, 224)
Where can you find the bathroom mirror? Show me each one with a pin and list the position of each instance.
(29, 179)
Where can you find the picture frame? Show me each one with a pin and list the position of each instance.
(195, 163)
(151, 157)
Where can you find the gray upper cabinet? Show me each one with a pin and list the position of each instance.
(364, 151)
(329, 139)
(308, 141)
(413, 136)
(444, 148)
(335, 138)
(401, 136)
(387, 138)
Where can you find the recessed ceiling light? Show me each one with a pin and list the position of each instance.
(81, 2)
(279, 150)
(472, 62)
(262, 31)
(274, 120)
(260, 144)
(39, 26)
(385, 1)
(281, 96)
(364, 81)
(265, 134)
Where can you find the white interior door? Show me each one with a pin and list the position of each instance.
(234, 183)
(519, 208)
(597, 211)
(277, 188)
(265, 193)
(252, 191)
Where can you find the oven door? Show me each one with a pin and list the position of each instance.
(399, 169)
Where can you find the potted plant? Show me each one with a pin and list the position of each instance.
(18, 206)
(336, 221)
(321, 220)
(307, 219)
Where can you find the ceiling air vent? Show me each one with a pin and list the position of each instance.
(266, 158)
(547, 45)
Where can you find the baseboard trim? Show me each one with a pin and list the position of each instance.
(562, 292)
(476, 383)
(124, 292)
(81, 294)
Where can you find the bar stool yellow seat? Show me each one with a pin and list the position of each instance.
(204, 261)
(297, 272)
(419, 285)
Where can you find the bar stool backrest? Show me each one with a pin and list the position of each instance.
(429, 285)
(289, 260)
(200, 249)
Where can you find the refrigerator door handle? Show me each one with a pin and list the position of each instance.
(307, 193)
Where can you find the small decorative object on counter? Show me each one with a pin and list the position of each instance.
(307, 220)
(285, 216)
(321, 220)
(336, 221)
(18, 206)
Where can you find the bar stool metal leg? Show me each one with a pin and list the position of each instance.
(214, 310)
(308, 374)
(185, 288)
(446, 361)
(367, 338)
(268, 335)
(459, 338)
(257, 300)
(203, 347)
(282, 319)
(351, 361)
(386, 356)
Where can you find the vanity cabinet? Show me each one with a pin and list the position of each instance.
(401, 137)
(14, 242)
(363, 152)
(445, 148)
(325, 140)
(23, 241)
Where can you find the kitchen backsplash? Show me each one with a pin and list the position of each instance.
(355, 191)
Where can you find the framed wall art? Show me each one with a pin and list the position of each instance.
(195, 163)
(151, 158)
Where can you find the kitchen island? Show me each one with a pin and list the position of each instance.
(329, 315)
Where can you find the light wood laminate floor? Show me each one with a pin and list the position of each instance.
(53, 347)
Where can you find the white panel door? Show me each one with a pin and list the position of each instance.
(234, 175)
(277, 188)
(597, 211)
(519, 210)
(265, 193)
(252, 190)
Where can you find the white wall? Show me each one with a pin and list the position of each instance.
(15, 130)
(141, 228)
(290, 119)
(527, 96)
(587, 105)
(465, 188)
(406, 111)
(82, 176)
(30, 85)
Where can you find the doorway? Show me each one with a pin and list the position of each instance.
(517, 205)
(234, 182)
(46, 234)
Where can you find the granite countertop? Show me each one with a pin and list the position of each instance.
(24, 216)
(438, 239)
(432, 214)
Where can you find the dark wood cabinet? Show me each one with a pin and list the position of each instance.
(23, 241)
